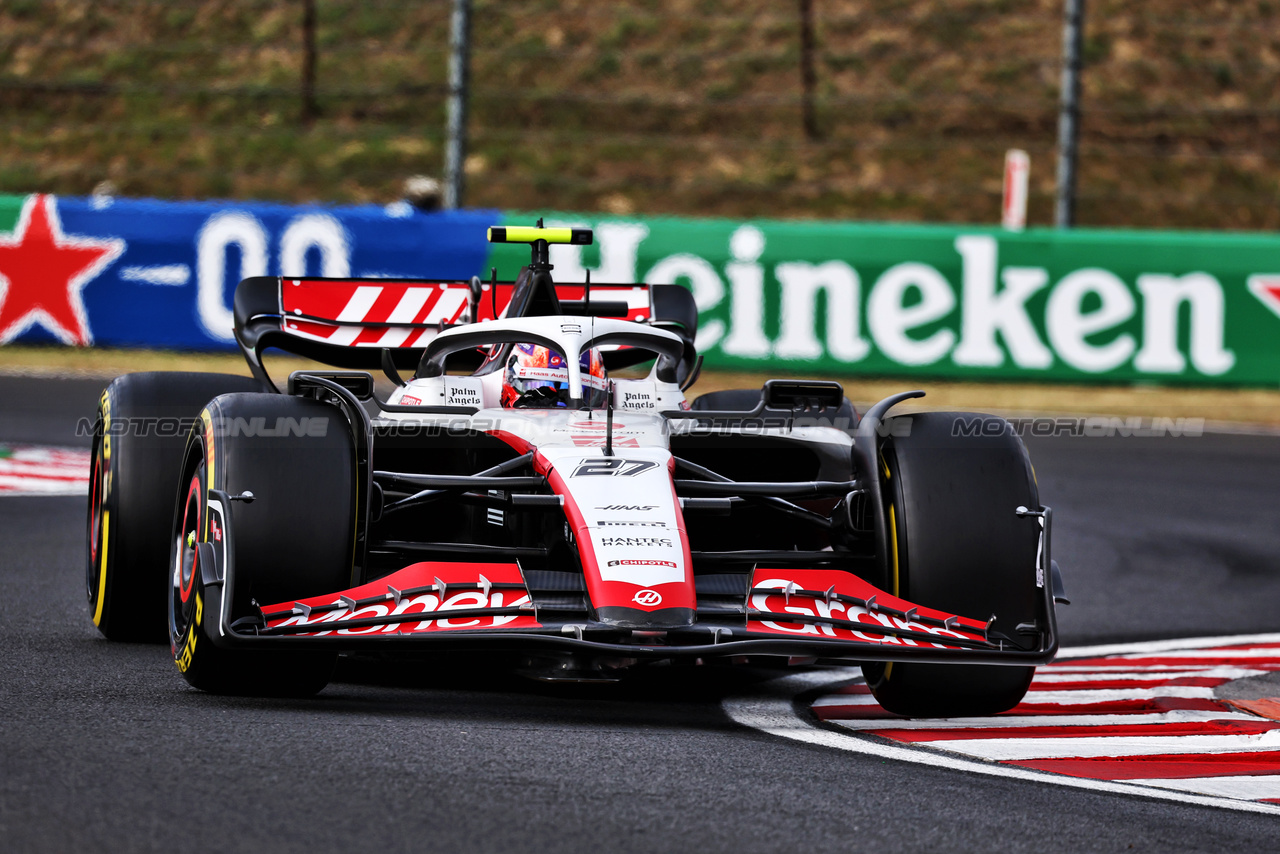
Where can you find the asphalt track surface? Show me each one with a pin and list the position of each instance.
(104, 747)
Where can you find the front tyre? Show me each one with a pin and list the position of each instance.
(952, 488)
(293, 541)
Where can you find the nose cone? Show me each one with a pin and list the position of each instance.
(629, 530)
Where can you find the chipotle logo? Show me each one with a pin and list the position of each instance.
(666, 563)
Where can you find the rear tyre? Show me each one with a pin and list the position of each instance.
(960, 548)
(295, 539)
(138, 441)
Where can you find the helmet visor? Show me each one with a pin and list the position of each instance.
(547, 385)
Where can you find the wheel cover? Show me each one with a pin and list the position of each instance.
(95, 523)
(187, 536)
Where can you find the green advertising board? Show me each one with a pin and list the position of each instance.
(963, 302)
(10, 207)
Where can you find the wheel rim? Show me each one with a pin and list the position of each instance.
(95, 511)
(878, 672)
(97, 496)
(187, 535)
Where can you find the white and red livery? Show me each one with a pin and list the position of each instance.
(652, 528)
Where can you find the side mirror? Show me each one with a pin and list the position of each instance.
(359, 383)
(803, 394)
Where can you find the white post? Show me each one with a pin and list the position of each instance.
(1017, 169)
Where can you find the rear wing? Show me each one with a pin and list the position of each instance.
(351, 323)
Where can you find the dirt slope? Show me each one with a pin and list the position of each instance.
(656, 106)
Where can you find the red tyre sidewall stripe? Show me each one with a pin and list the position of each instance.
(193, 490)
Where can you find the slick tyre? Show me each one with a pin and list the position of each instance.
(959, 546)
(293, 541)
(138, 440)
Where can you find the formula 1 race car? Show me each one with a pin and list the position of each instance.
(511, 496)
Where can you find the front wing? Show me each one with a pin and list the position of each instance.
(818, 613)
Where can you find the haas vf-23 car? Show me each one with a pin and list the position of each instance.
(520, 484)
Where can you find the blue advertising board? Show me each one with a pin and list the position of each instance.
(144, 273)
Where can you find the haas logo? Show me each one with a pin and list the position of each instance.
(648, 598)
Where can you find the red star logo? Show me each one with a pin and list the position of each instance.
(42, 272)
(1266, 287)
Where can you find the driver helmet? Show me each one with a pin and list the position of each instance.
(537, 377)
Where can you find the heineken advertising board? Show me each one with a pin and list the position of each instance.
(792, 297)
(960, 302)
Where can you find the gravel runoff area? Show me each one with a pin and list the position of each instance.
(1252, 408)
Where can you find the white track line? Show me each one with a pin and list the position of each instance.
(1106, 746)
(1153, 719)
(1190, 655)
(1083, 696)
(1104, 665)
(771, 710)
(842, 700)
(1094, 674)
(1222, 787)
(1077, 697)
(1133, 649)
